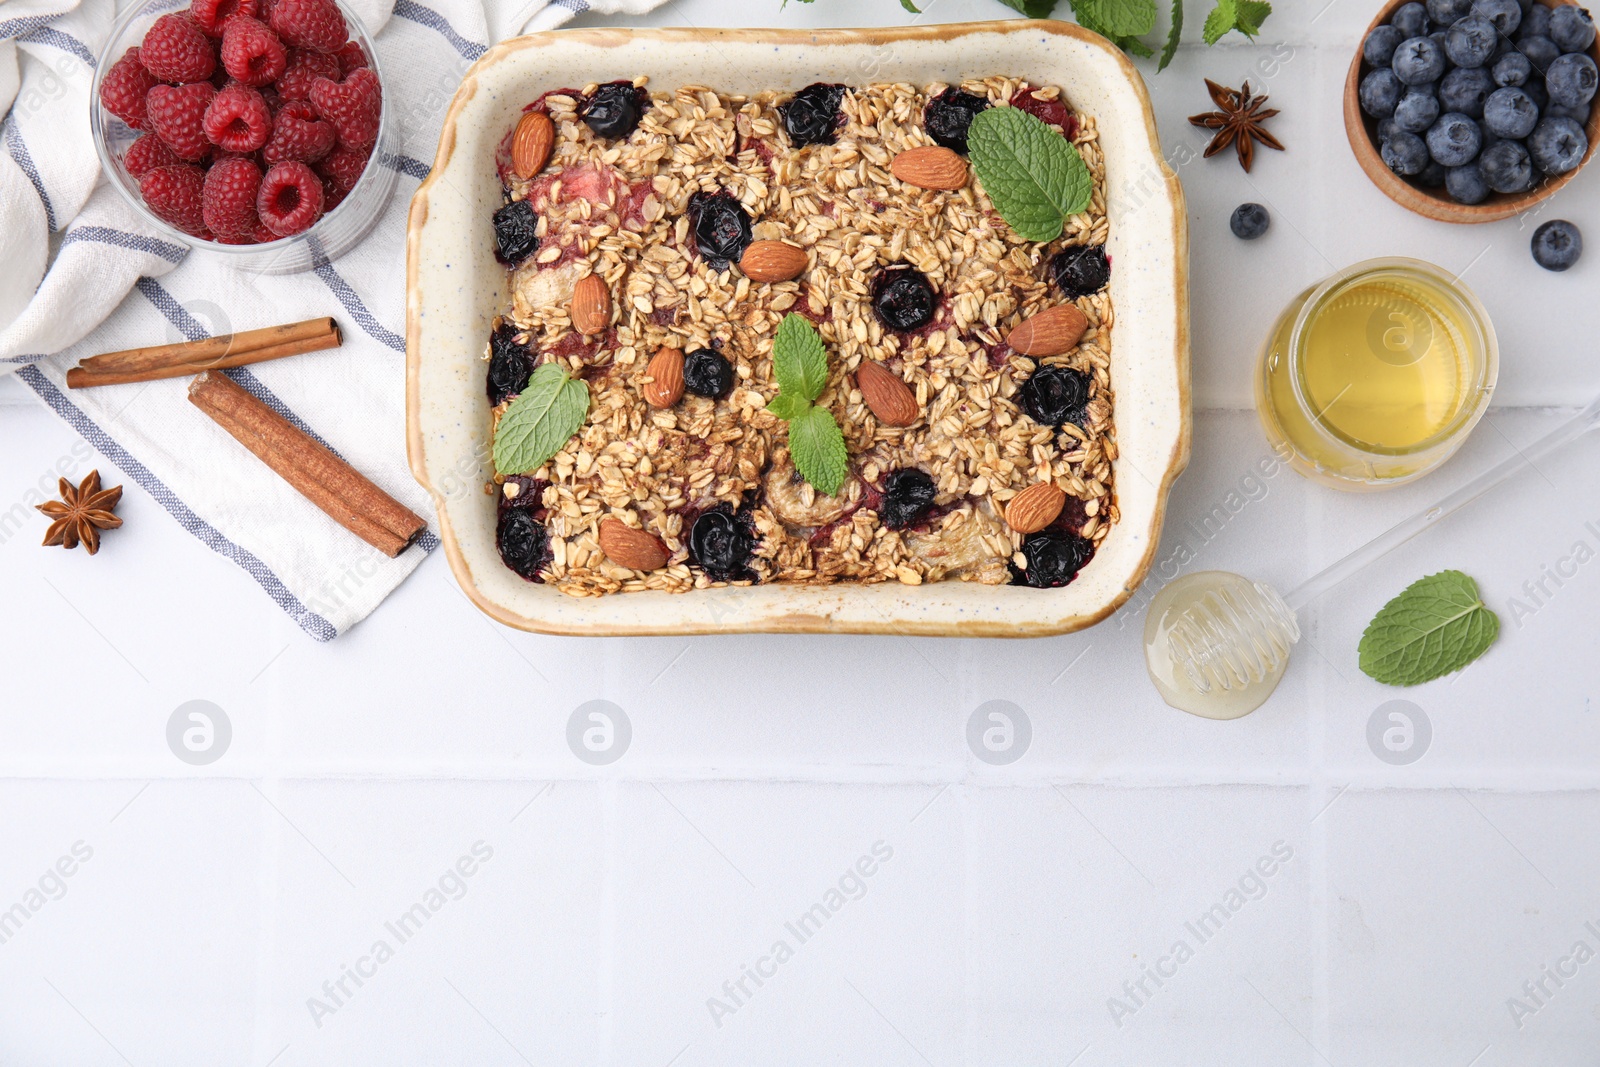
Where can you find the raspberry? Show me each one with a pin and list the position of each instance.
(124, 88)
(252, 53)
(290, 199)
(351, 57)
(174, 194)
(177, 115)
(353, 107)
(146, 154)
(304, 68)
(313, 24)
(228, 200)
(340, 171)
(212, 15)
(297, 133)
(238, 120)
(176, 50)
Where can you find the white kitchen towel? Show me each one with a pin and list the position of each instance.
(81, 275)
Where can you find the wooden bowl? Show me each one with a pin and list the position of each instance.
(1362, 130)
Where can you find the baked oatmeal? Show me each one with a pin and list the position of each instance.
(656, 242)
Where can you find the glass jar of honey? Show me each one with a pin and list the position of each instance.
(1375, 376)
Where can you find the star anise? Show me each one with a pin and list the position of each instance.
(82, 513)
(1238, 122)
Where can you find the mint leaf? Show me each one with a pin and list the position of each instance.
(1174, 36)
(817, 448)
(798, 359)
(1116, 18)
(1438, 624)
(1035, 176)
(787, 405)
(909, 6)
(1133, 45)
(1034, 9)
(539, 421)
(1246, 16)
(1252, 13)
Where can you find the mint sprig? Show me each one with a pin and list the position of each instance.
(816, 445)
(540, 420)
(1034, 175)
(1436, 625)
(1246, 16)
(1125, 21)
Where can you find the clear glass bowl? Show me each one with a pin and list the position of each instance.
(330, 237)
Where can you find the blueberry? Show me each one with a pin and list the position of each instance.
(1081, 270)
(721, 543)
(1535, 22)
(1418, 60)
(1465, 184)
(1536, 92)
(1571, 80)
(1445, 12)
(1054, 558)
(1465, 89)
(1512, 68)
(1571, 28)
(1433, 175)
(510, 364)
(1509, 113)
(524, 542)
(948, 115)
(721, 228)
(812, 115)
(1387, 128)
(1506, 15)
(903, 298)
(1455, 139)
(1378, 48)
(1580, 114)
(1405, 154)
(1054, 395)
(1417, 110)
(1380, 92)
(1557, 245)
(1249, 221)
(1472, 41)
(1558, 145)
(1439, 37)
(612, 111)
(1507, 168)
(707, 373)
(516, 232)
(907, 495)
(1411, 20)
(1541, 51)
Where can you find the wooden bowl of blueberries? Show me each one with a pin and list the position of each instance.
(1474, 110)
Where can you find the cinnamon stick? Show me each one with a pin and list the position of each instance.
(330, 483)
(211, 353)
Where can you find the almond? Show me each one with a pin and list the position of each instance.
(772, 261)
(890, 399)
(1035, 507)
(1049, 332)
(930, 167)
(631, 548)
(591, 305)
(531, 143)
(666, 373)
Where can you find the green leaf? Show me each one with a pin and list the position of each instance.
(539, 421)
(1438, 624)
(787, 405)
(817, 448)
(1117, 18)
(798, 359)
(1034, 9)
(1035, 176)
(1174, 35)
(909, 6)
(1246, 16)
(1252, 13)
(1133, 45)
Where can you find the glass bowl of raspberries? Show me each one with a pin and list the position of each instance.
(253, 129)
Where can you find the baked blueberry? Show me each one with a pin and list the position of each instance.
(1081, 270)
(1465, 184)
(1054, 558)
(1418, 60)
(613, 110)
(1249, 221)
(907, 495)
(524, 542)
(1571, 28)
(721, 228)
(1472, 41)
(1380, 93)
(510, 364)
(721, 542)
(1405, 154)
(948, 116)
(516, 232)
(1557, 145)
(1571, 80)
(1557, 245)
(812, 115)
(1507, 168)
(707, 373)
(903, 298)
(1054, 395)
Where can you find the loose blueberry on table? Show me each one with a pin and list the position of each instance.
(654, 243)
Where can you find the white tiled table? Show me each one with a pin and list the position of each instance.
(1406, 905)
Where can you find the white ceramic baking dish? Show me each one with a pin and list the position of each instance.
(455, 288)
